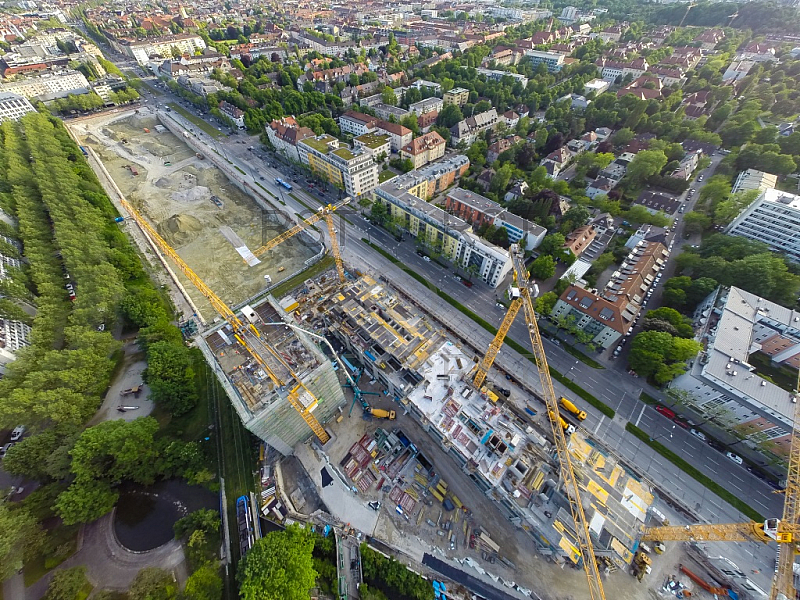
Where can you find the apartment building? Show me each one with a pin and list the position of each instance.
(553, 60)
(452, 236)
(234, 113)
(458, 96)
(284, 134)
(377, 145)
(774, 219)
(609, 314)
(13, 336)
(752, 179)
(426, 105)
(424, 149)
(386, 111)
(353, 171)
(741, 331)
(399, 136)
(357, 123)
(13, 107)
(479, 210)
(469, 129)
(141, 51)
(49, 85)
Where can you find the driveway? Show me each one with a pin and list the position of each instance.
(128, 376)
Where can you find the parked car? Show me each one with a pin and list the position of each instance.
(16, 435)
(698, 434)
(5, 449)
(735, 458)
(681, 423)
(375, 505)
(667, 412)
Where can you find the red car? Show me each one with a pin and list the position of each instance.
(681, 423)
(667, 412)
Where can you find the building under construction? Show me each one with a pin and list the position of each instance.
(291, 355)
(498, 444)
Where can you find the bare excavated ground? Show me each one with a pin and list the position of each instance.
(193, 206)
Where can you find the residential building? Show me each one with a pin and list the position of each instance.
(452, 236)
(577, 102)
(751, 179)
(556, 161)
(13, 107)
(424, 149)
(426, 120)
(511, 119)
(758, 51)
(553, 60)
(495, 75)
(774, 219)
(737, 70)
(656, 202)
(710, 38)
(399, 136)
(740, 332)
(497, 148)
(469, 129)
(479, 210)
(285, 135)
(578, 240)
(429, 86)
(385, 111)
(48, 86)
(357, 123)
(609, 315)
(433, 178)
(379, 146)
(185, 43)
(13, 336)
(233, 113)
(353, 171)
(644, 88)
(457, 96)
(427, 105)
(598, 86)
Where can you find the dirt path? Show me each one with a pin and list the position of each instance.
(128, 376)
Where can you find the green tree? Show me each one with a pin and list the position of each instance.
(66, 584)
(696, 222)
(544, 267)
(388, 96)
(644, 165)
(279, 567)
(552, 244)
(681, 324)
(152, 583)
(727, 210)
(204, 584)
(449, 116)
(545, 303)
(20, 537)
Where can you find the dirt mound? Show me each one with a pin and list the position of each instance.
(163, 183)
(181, 229)
(195, 194)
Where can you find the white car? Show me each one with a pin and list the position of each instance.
(426, 258)
(16, 435)
(735, 458)
(698, 434)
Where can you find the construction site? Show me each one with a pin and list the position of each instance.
(202, 214)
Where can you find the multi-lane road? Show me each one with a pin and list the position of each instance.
(612, 384)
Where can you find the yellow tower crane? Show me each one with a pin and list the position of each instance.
(783, 531)
(482, 368)
(324, 212)
(300, 397)
(559, 435)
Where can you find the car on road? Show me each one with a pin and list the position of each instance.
(466, 283)
(375, 505)
(698, 434)
(426, 258)
(667, 412)
(506, 392)
(5, 449)
(735, 458)
(681, 423)
(16, 435)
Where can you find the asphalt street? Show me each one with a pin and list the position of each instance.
(612, 384)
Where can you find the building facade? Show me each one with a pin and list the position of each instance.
(353, 171)
(424, 149)
(774, 219)
(285, 135)
(458, 96)
(13, 107)
(751, 179)
(48, 86)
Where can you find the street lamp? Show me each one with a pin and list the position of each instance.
(658, 437)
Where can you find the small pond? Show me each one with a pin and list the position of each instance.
(145, 515)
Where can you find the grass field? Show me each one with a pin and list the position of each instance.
(201, 123)
(287, 286)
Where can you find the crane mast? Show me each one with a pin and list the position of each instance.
(247, 336)
(567, 472)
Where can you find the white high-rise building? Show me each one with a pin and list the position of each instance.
(13, 107)
(774, 218)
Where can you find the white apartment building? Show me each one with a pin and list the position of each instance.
(427, 105)
(354, 171)
(497, 75)
(751, 179)
(161, 46)
(774, 219)
(553, 60)
(50, 85)
(13, 336)
(13, 106)
(356, 123)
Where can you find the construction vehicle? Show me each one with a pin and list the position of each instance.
(325, 212)
(134, 390)
(490, 394)
(299, 396)
(379, 413)
(572, 409)
(641, 565)
(568, 428)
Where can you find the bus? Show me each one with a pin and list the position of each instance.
(281, 182)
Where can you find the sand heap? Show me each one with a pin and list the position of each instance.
(181, 229)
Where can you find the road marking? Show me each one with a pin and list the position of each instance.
(640, 414)
(600, 422)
